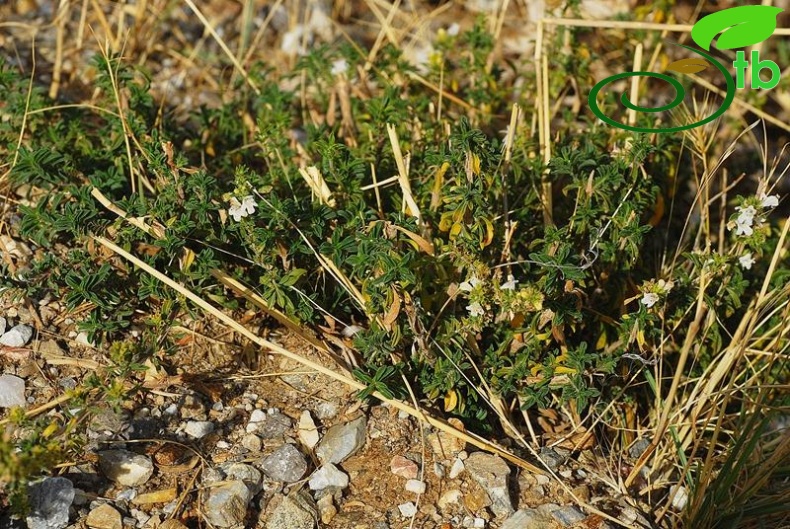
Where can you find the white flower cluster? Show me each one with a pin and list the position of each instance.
(240, 209)
(654, 291)
(748, 216)
(474, 308)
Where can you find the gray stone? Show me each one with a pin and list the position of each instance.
(12, 391)
(247, 474)
(328, 476)
(226, 505)
(297, 511)
(491, 473)
(198, 429)
(125, 467)
(527, 519)
(50, 500)
(638, 448)
(268, 425)
(3, 324)
(251, 442)
(17, 336)
(285, 464)
(342, 441)
(550, 456)
(568, 515)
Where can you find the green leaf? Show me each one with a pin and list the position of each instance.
(739, 27)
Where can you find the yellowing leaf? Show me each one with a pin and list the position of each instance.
(450, 400)
(564, 370)
(690, 65)
(455, 231)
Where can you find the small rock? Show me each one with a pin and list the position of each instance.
(477, 499)
(297, 511)
(12, 391)
(491, 473)
(550, 456)
(285, 464)
(125, 467)
(126, 495)
(449, 498)
(404, 467)
(342, 441)
(638, 448)
(251, 442)
(416, 486)
(681, 497)
(3, 324)
(268, 425)
(247, 474)
(568, 515)
(438, 469)
(567, 474)
(408, 509)
(172, 524)
(456, 469)
(198, 429)
(192, 407)
(326, 410)
(17, 336)
(104, 517)
(527, 519)
(227, 503)
(445, 445)
(328, 476)
(308, 432)
(326, 508)
(50, 500)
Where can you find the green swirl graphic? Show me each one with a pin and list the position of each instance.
(679, 95)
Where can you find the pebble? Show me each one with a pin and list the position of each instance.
(198, 429)
(12, 391)
(251, 442)
(326, 508)
(247, 474)
(456, 469)
(527, 519)
(449, 498)
(638, 448)
(308, 432)
(416, 486)
(491, 473)
(125, 467)
(3, 324)
(568, 515)
(438, 469)
(104, 517)
(126, 495)
(551, 458)
(297, 511)
(681, 497)
(226, 505)
(328, 476)
(341, 441)
(50, 500)
(17, 336)
(268, 425)
(408, 509)
(404, 467)
(285, 464)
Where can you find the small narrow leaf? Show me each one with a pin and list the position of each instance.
(739, 27)
(690, 65)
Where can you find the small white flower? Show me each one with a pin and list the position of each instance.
(238, 210)
(475, 309)
(510, 284)
(453, 29)
(340, 66)
(746, 261)
(745, 220)
(467, 286)
(649, 299)
(769, 201)
(665, 286)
